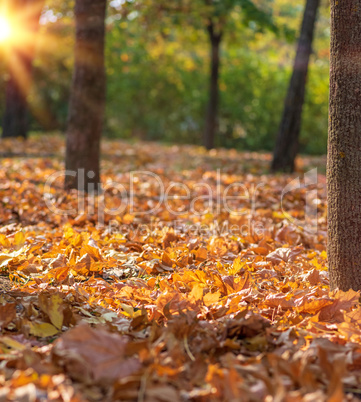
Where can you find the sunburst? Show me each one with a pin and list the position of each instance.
(5, 29)
(21, 40)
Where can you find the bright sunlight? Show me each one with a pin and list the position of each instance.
(5, 29)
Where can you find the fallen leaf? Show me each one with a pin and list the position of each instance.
(95, 355)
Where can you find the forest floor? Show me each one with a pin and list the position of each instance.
(193, 280)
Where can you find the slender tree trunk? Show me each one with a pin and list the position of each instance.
(286, 148)
(87, 100)
(211, 122)
(15, 120)
(344, 147)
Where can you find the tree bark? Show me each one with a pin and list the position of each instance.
(344, 147)
(87, 100)
(21, 55)
(211, 122)
(15, 120)
(286, 148)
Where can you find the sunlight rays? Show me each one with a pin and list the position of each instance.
(19, 42)
(5, 29)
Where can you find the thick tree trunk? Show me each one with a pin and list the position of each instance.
(15, 120)
(211, 122)
(344, 147)
(86, 109)
(286, 148)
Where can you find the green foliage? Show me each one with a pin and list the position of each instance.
(158, 72)
(163, 93)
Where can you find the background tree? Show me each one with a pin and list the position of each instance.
(149, 64)
(213, 16)
(172, 62)
(217, 15)
(86, 109)
(344, 156)
(286, 147)
(215, 32)
(25, 15)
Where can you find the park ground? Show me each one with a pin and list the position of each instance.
(169, 301)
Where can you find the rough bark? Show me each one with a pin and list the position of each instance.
(18, 85)
(86, 108)
(211, 122)
(344, 147)
(286, 148)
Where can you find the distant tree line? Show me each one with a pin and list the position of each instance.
(243, 97)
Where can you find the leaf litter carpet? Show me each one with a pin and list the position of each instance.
(178, 299)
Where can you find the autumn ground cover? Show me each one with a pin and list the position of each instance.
(141, 295)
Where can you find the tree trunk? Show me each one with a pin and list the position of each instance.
(286, 148)
(15, 120)
(87, 100)
(344, 147)
(211, 122)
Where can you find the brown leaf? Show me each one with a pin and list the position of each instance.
(248, 327)
(7, 314)
(279, 300)
(284, 254)
(95, 355)
(344, 301)
(169, 238)
(201, 254)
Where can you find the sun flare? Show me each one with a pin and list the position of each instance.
(5, 29)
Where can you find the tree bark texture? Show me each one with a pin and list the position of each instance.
(286, 148)
(26, 14)
(211, 122)
(87, 100)
(344, 147)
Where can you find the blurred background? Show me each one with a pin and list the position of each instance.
(158, 63)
